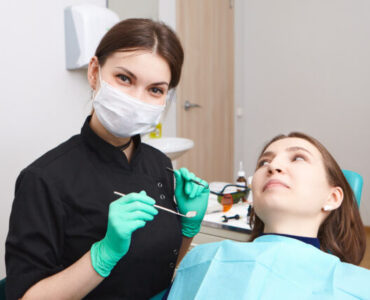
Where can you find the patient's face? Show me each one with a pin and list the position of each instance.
(290, 181)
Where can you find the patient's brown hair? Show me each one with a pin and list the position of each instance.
(342, 233)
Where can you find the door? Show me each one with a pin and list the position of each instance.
(206, 30)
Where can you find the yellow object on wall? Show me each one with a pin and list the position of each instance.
(157, 133)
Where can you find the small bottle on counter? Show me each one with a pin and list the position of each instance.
(241, 180)
(249, 185)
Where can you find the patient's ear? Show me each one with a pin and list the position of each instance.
(334, 200)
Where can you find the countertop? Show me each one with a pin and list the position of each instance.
(213, 217)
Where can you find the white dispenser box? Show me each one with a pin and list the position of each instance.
(85, 25)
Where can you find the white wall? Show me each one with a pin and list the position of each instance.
(135, 9)
(41, 103)
(305, 66)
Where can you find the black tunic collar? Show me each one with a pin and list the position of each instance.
(106, 151)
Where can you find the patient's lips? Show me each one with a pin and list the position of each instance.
(274, 183)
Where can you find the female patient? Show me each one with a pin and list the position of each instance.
(307, 234)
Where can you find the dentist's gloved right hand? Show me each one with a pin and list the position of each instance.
(191, 197)
(126, 215)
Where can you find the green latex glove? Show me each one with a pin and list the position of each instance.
(126, 215)
(191, 196)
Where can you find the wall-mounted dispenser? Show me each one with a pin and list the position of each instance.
(84, 26)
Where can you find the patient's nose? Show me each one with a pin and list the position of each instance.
(273, 167)
(273, 170)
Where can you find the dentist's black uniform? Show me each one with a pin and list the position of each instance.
(61, 208)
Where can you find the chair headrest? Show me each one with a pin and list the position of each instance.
(356, 181)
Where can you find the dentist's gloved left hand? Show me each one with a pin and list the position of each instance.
(189, 197)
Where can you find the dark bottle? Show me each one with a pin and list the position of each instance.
(241, 180)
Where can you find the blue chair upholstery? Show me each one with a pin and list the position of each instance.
(2, 289)
(159, 296)
(356, 181)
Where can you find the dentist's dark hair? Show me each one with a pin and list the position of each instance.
(342, 233)
(144, 34)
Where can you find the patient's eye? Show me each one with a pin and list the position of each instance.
(299, 157)
(262, 162)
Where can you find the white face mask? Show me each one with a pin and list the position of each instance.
(123, 115)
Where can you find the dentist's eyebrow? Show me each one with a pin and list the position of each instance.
(296, 148)
(127, 71)
(134, 76)
(160, 83)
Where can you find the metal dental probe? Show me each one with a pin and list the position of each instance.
(189, 214)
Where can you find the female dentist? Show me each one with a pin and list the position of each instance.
(69, 236)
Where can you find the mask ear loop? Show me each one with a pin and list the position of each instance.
(170, 98)
(93, 94)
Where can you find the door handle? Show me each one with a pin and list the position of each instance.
(189, 105)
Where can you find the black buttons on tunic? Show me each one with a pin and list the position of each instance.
(161, 196)
(175, 252)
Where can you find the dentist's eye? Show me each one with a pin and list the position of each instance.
(124, 78)
(157, 91)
